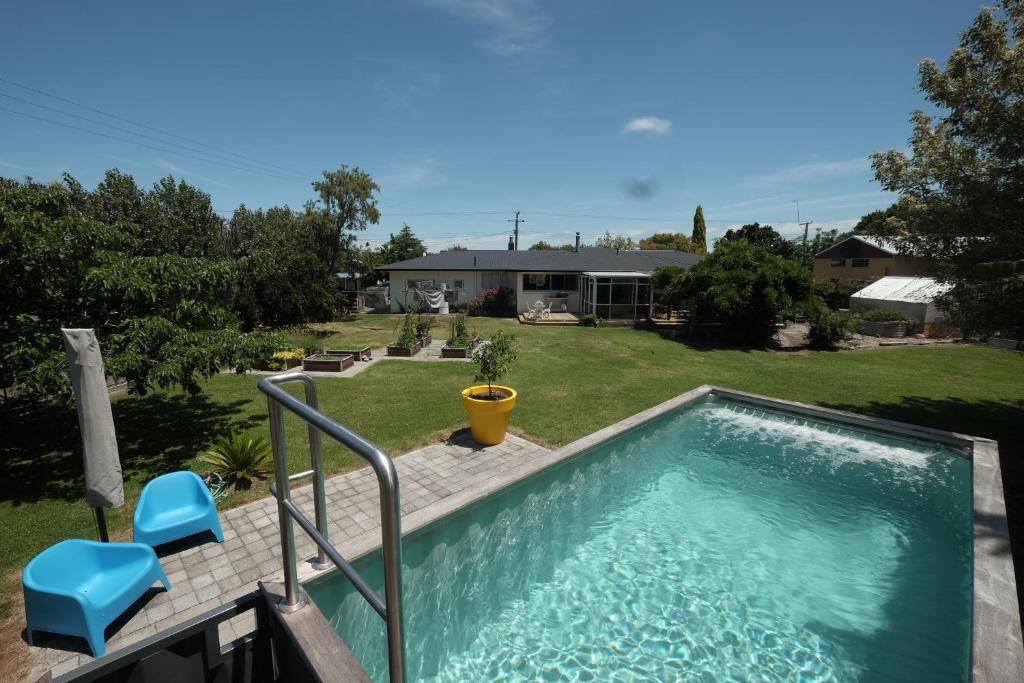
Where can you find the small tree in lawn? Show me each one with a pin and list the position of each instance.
(495, 360)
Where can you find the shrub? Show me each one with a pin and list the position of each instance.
(588, 320)
(277, 361)
(828, 327)
(744, 287)
(835, 294)
(239, 459)
(883, 315)
(495, 359)
(496, 301)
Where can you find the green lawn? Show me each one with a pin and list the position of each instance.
(572, 381)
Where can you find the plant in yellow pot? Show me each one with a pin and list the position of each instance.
(489, 405)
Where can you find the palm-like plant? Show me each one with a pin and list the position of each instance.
(239, 459)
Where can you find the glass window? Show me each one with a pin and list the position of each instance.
(838, 262)
(860, 263)
(458, 284)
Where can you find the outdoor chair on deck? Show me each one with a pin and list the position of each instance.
(78, 588)
(174, 506)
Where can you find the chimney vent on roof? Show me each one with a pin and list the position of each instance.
(577, 240)
(616, 251)
(511, 243)
(474, 261)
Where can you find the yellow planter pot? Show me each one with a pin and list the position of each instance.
(488, 420)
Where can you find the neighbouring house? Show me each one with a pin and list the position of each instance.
(914, 297)
(612, 284)
(860, 260)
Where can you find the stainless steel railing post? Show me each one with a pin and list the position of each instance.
(390, 509)
(294, 598)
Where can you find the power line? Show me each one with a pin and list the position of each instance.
(143, 125)
(143, 144)
(132, 132)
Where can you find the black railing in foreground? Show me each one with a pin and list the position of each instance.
(191, 651)
(390, 512)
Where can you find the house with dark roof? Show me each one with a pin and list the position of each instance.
(611, 283)
(860, 260)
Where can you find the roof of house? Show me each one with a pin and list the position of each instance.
(871, 241)
(898, 288)
(586, 259)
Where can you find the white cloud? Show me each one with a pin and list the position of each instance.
(515, 27)
(403, 89)
(10, 164)
(812, 171)
(408, 172)
(649, 125)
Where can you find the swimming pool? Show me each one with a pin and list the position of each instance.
(717, 541)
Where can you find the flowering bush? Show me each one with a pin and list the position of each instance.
(496, 301)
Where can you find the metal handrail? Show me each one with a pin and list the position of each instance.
(390, 509)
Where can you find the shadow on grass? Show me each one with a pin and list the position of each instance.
(1002, 421)
(157, 433)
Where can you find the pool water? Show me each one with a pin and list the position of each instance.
(719, 542)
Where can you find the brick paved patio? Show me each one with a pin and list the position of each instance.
(207, 574)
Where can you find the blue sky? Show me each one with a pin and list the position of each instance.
(588, 116)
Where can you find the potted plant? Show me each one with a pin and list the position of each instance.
(406, 344)
(488, 405)
(460, 342)
(884, 322)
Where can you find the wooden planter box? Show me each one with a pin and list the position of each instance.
(873, 329)
(403, 351)
(426, 341)
(327, 363)
(357, 353)
(264, 364)
(454, 352)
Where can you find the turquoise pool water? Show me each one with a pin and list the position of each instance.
(716, 543)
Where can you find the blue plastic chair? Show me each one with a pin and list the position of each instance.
(78, 587)
(174, 506)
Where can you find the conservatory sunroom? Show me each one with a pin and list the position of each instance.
(617, 295)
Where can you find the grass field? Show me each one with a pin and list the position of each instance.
(572, 381)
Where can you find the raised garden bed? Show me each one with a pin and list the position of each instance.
(458, 352)
(883, 329)
(323, 362)
(364, 353)
(404, 351)
(426, 341)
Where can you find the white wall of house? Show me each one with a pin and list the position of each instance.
(470, 283)
(401, 300)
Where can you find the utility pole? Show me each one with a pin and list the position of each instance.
(517, 221)
(806, 224)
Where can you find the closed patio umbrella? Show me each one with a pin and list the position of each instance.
(103, 482)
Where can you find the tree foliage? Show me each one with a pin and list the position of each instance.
(545, 246)
(155, 287)
(699, 237)
(402, 247)
(668, 240)
(494, 359)
(610, 241)
(764, 236)
(347, 204)
(744, 287)
(961, 185)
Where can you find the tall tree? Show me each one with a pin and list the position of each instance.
(347, 204)
(668, 240)
(961, 186)
(699, 238)
(764, 236)
(610, 241)
(402, 247)
(162, 317)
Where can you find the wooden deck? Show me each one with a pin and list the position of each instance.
(554, 319)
